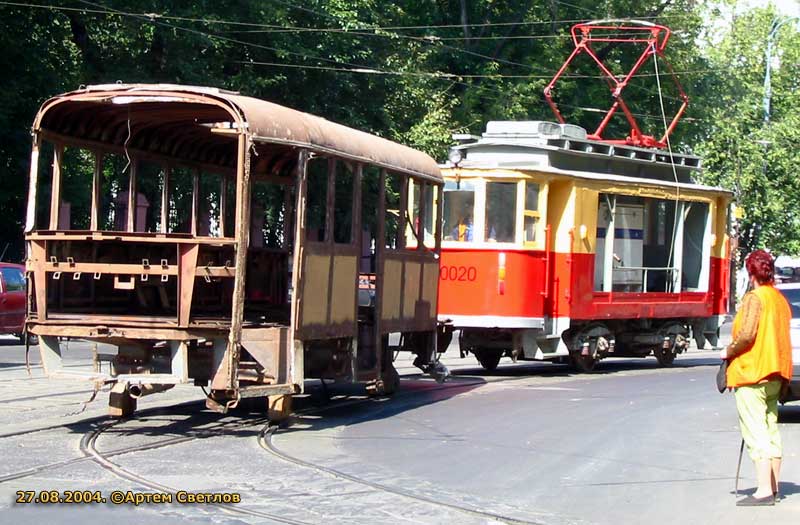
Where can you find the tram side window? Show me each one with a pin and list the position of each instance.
(659, 247)
(180, 191)
(501, 206)
(695, 256)
(317, 198)
(76, 189)
(423, 229)
(459, 207)
(267, 215)
(532, 214)
(620, 218)
(369, 202)
(395, 216)
(343, 203)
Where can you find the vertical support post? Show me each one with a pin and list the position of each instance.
(50, 352)
(608, 254)
(187, 270)
(165, 200)
(438, 223)
(296, 345)
(195, 200)
(97, 188)
(55, 188)
(242, 243)
(33, 184)
(479, 219)
(223, 204)
(355, 241)
(131, 222)
(380, 252)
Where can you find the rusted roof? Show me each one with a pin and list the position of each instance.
(177, 120)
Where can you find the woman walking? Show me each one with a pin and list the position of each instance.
(760, 365)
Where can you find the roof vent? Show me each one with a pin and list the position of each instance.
(533, 129)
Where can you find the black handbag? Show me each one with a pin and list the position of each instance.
(722, 377)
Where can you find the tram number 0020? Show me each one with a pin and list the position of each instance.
(458, 273)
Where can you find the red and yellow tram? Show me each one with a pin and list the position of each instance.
(560, 247)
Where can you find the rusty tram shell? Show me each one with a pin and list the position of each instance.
(191, 294)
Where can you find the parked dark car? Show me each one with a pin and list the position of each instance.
(12, 299)
(792, 293)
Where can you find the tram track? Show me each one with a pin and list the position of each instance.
(129, 450)
(89, 448)
(264, 437)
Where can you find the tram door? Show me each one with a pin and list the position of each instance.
(328, 274)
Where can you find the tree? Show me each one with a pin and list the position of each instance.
(757, 159)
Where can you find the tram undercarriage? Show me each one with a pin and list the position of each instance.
(589, 342)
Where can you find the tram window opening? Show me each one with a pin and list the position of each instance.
(395, 210)
(114, 196)
(343, 204)
(149, 181)
(531, 213)
(421, 192)
(458, 213)
(694, 275)
(77, 171)
(369, 202)
(268, 215)
(208, 187)
(316, 199)
(181, 182)
(44, 185)
(230, 207)
(501, 206)
(619, 256)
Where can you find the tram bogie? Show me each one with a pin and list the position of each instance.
(223, 241)
(560, 248)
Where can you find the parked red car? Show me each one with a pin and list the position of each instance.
(12, 299)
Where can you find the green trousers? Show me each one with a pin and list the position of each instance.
(758, 417)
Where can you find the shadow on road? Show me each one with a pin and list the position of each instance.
(607, 366)
(348, 405)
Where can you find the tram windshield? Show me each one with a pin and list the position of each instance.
(501, 205)
(458, 213)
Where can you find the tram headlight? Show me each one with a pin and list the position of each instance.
(455, 156)
(583, 232)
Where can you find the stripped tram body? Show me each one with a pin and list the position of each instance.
(220, 240)
(559, 247)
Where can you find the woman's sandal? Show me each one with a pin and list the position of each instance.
(750, 501)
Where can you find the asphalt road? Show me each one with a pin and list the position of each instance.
(529, 443)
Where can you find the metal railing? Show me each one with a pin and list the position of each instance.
(669, 280)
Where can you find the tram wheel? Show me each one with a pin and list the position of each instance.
(582, 363)
(678, 342)
(665, 357)
(387, 385)
(489, 359)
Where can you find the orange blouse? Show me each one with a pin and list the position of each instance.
(769, 356)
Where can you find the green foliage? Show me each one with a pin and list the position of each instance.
(740, 149)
